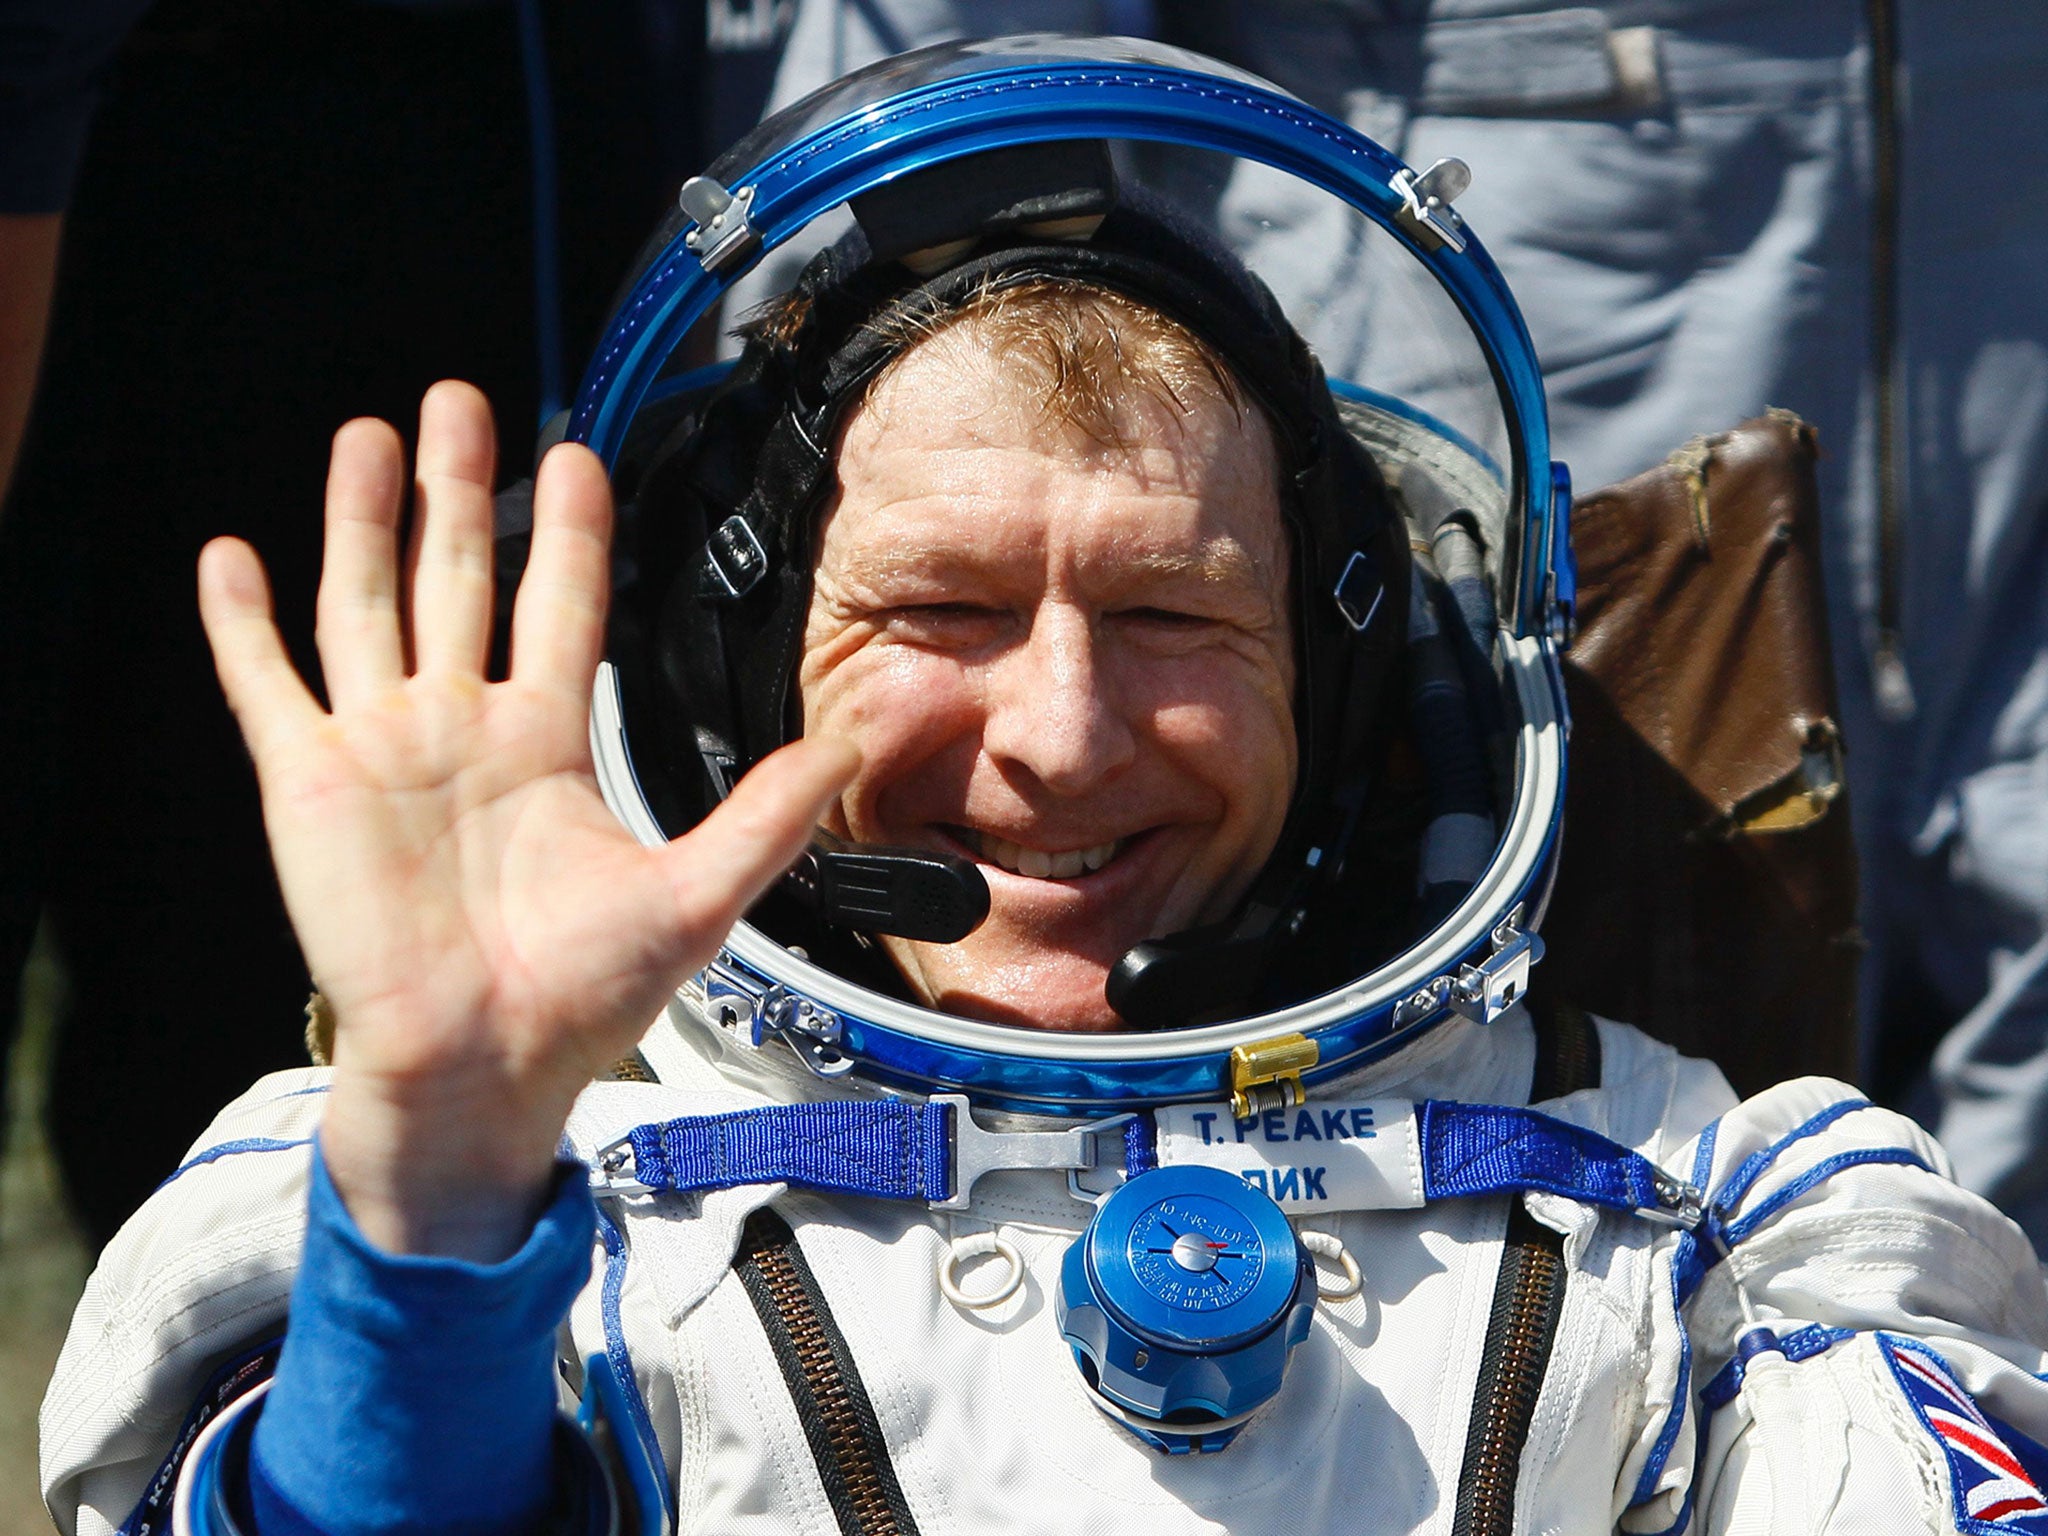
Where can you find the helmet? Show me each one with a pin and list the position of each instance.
(1427, 525)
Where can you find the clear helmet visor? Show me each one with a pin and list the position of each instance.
(1433, 374)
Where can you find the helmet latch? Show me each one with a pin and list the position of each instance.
(1267, 1075)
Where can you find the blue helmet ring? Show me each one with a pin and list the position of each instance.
(1434, 375)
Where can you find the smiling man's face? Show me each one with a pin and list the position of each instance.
(1070, 661)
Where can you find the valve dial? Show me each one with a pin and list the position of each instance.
(1195, 1253)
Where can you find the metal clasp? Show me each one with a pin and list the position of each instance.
(1426, 199)
(811, 1032)
(1267, 1075)
(1485, 991)
(1679, 1204)
(723, 236)
(612, 1172)
(977, 1150)
(732, 561)
(1432, 997)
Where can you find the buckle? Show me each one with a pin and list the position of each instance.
(978, 1150)
(732, 561)
(1679, 1204)
(612, 1173)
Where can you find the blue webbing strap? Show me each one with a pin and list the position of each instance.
(882, 1147)
(1141, 1146)
(895, 1150)
(1486, 1149)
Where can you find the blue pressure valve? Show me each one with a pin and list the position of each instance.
(1182, 1300)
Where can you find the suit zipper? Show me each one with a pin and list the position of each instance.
(1528, 1302)
(1528, 1299)
(831, 1402)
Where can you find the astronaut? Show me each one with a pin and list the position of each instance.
(1126, 1109)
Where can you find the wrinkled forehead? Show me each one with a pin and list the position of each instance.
(964, 447)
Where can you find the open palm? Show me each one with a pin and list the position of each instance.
(485, 931)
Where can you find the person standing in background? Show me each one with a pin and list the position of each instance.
(1709, 207)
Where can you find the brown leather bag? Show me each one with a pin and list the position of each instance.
(1707, 885)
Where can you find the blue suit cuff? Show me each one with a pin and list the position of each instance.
(417, 1393)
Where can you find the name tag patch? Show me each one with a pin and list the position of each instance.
(1315, 1157)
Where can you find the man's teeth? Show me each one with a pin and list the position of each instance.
(1037, 864)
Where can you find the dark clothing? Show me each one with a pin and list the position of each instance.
(289, 215)
(54, 59)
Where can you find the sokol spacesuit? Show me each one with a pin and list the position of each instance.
(1331, 1233)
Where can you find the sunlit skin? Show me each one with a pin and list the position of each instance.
(1033, 638)
(1038, 640)
(486, 933)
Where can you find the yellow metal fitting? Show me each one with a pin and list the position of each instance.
(1268, 1075)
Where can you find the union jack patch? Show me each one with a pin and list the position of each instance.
(1994, 1471)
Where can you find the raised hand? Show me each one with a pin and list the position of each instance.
(488, 936)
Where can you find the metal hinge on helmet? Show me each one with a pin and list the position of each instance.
(1426, 199)
(810, 1031)
(1481, 992)
(724, 237)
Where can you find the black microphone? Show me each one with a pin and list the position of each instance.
(1202, 974)
(913, 893)
(1197, 976)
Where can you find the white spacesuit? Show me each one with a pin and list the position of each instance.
(1293, 1254)
(975, 1419)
